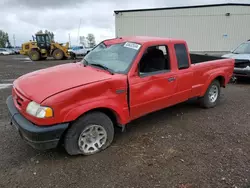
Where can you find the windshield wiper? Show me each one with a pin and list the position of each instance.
(103, 67)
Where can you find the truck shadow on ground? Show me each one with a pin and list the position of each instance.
(158, 119)
(142, 125)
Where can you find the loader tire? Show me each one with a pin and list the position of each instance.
(58, 54)
(34, 55)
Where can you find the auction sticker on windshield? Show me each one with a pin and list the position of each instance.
(132, 45)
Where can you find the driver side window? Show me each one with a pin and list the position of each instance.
(155, 60)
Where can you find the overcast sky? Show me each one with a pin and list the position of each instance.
(25, 17)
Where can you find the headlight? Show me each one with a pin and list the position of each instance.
(38, 111)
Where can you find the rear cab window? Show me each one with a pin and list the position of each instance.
(181, 56)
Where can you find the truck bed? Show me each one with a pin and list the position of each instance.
(198, 58)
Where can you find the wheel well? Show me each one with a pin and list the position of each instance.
(35, 49)
(221, 79)
(110, 113)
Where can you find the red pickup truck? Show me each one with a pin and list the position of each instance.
(121, 79)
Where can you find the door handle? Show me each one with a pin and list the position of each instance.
(171, 79)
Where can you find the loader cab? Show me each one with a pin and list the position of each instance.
(43, 41)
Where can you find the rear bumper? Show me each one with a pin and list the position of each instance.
(38, 137)
(241, 72)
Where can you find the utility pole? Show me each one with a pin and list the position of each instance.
(14, 41)
(69, 41)
(79, 30)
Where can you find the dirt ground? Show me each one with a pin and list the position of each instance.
(183, 146)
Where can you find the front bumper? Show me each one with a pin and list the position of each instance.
(38, 137)
(241, 72)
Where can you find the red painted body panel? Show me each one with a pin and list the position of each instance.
(72, 89)
(56, 79)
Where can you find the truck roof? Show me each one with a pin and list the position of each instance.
(140, 40)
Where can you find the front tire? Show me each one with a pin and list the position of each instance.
(72, 55)
(58, 54)
(212, 95)
(89, 134)
(34, 55)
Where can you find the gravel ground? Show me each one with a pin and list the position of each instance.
(183, 146)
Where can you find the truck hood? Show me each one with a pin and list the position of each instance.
(237, 56)
(44, 83)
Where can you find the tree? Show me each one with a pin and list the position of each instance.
(8, 41)
(4, 39)
(91, 40)
(39, 32)
(50, 33)
(83, 40)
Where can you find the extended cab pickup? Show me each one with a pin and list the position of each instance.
(120, 80)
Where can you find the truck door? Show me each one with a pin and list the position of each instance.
(155, 83)
(184, 76)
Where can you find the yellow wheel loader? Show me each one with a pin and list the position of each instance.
(44, 47)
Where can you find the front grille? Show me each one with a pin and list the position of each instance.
(241, 63)
(19, 100)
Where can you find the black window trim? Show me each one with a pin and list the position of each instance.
(153, 73)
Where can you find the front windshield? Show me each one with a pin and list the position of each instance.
(117, 57)
(76, 48)
(243, 49)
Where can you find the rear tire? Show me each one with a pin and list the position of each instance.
(89, 134)
(58, 54)
(34, 55)
(212, 95)
(72, 55)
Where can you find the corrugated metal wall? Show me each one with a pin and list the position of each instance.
(205, 29)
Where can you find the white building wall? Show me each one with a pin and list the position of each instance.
(205, 28)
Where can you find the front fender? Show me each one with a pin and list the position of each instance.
(122, 114)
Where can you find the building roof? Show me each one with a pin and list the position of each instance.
(184, 7)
